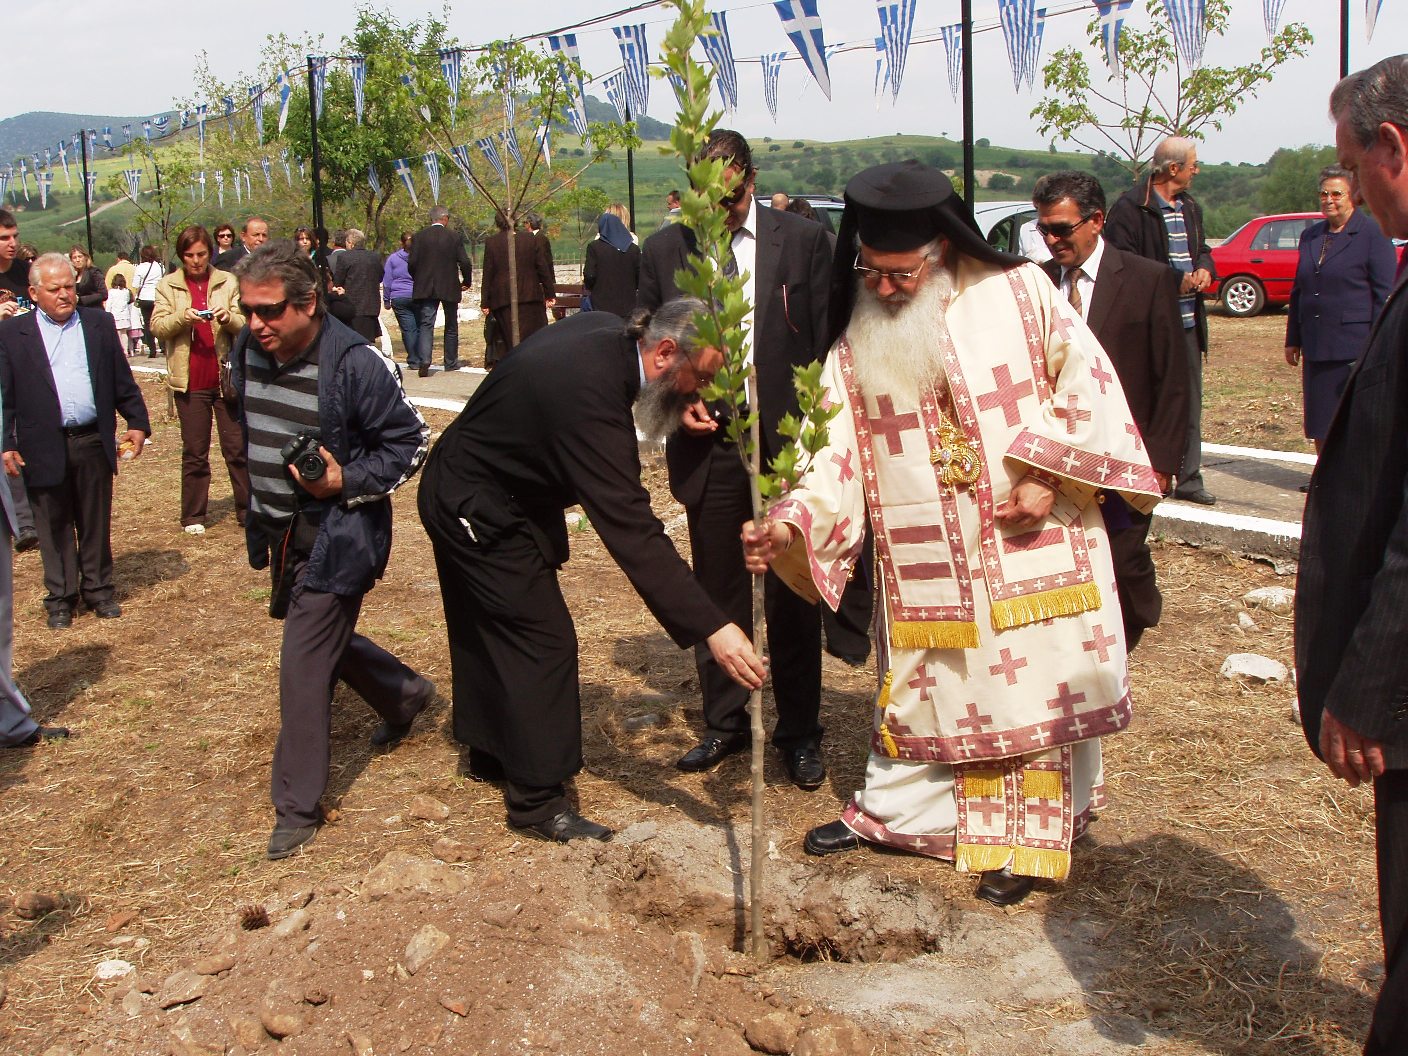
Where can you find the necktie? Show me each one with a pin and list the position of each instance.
(1075, 275)
(730, 261)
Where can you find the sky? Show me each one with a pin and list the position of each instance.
(135, 66)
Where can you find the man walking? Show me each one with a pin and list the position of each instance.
(357, 271)
(1159, 219)
(440, 272)
(525, 300)
(330, 435)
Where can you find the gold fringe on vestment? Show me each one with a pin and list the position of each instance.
(1043, 605)
(1042, 784)
(882, 701)
(1046, 864)
(981, 857)
(934, 634)
(982, 784)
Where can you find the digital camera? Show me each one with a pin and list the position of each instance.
(302, 454)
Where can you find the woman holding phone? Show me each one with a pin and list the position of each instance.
(197, 315)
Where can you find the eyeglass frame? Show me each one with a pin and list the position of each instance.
(266, 312)
(1067, 230)
(897, 278)
(1334, 196)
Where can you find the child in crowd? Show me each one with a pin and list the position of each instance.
(119, 306)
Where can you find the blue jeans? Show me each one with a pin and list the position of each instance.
(405, 311)
(425, 313)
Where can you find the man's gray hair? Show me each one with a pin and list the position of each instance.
(1333, 172)
(439, 214)
(251, 220)
(1172, 151)
(1372, 97)
(1080, 187)
(355, 238)
(673, 319)
(283, 262)
(53, 260)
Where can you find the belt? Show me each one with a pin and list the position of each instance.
(81, 430)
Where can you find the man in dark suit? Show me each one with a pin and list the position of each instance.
(1131, 304)
(64, 378)
(533, 292)
(1352, 590)
(356, 270)
(788, 261)
(440, 272)
(552, 427)
(254, 235)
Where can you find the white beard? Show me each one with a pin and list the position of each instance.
(897, 352)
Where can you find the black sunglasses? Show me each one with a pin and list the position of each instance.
(1063, 230)
(267, 312)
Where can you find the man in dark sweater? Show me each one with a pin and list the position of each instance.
(14, 272)
(356, 270)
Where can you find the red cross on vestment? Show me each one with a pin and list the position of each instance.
(1045, 812)
(843, 467)
(974, 721)
(1133, 430)
(1065, 701)
(921, 682)
(1062, 324)
(1100, 374)
(1006, 395)
(1100, 644)
(1071, 413)
(838, 534)
(890, 425)
(1009, 667)
(987, 808)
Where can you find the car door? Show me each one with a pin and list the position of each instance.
(1273, 254)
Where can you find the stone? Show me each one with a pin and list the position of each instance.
(298, 920)
(279, 1020)
(361, 1044)
(448, 850)
(1280, 600)
(833, 1039)
(404, 874)
(424, 945)
(455, 1003)
(316, 995)
(1246, 623)
(774, 1033)
(428, 808)
(575, 521)
(643, 721)
(112, 968)
(1253, 667)
(1295, 710)
(31, 905)
(214, 964)
(248, 1031)
(501, 915)
(188, 1044)
(119, 920)
(637, 833)
(134, 1003)
(181, 987)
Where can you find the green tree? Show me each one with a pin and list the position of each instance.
(1154, 98)
(1001, 181)
(1293, 179)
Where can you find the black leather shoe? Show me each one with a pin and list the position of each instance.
(286, 839)
(1003, 889)
(107, 610)
(1202, 497)
(43, 733)
(424, 372)
(804, 767)
(448, 368)
(569, 825)
(388, 735)
(831, 839)
(707, 753)
(61, 618)
(28, 539)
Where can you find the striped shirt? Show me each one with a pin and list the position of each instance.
(1179, 255)
(279, 403)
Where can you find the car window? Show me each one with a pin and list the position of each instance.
(1001, 234)
(1280, 234)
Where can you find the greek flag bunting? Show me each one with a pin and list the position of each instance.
(1189, 33)
(1034, 56)
(302, 172)
(490, 151)
(45, 181)
(24, 181)
(374, 181)
(541, 138)
(268, 172)
(201, 112)
(616, 93)
(510, 141)
(882, 68)
(802, 25)
(564, 46)
(410, 84)
(1112, 15)
(402, 166)
(48, 159)
(126, 134)
(92, 142)
(239, 186)
(92, 184)
(37, 167)
(1018, 18)
(896, 28)
(107, 136)
(1271, 16)
(220, 186)
(147, 130)
(510, 89)
(133, 177)
(635, 58)
(229, 101)
(460, 156)
(450, 59)
(285, 85)
(953, 55)
(256, 102)
(357, 66)
(1371, 17)
(4, 184)
(63, 160)
(676, 83)
(320, 82)
(718, 49)
(288, 169)
(772, 72)
(432, 173)
(161, 122)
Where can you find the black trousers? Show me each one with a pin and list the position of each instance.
(74, 521)
(425, 337)
(1388, 1034)
(794, 625)
(321, 647)
(1136, 582)
(369, 326)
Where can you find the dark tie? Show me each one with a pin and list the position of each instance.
(1075, 275)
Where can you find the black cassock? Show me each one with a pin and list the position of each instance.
(549, 428)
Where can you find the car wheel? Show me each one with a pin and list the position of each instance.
(1243, 296)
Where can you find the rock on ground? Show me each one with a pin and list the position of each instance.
(1254, 668)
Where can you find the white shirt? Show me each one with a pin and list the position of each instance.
(745, 252)
(1086, 284)
(68, 360)
(1031, 243)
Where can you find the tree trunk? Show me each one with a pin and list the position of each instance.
(755, 708)
(513, 281)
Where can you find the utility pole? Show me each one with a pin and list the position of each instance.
(87, 201)
(630, 174)
(1344, 38)
(970, 190)
(316, 159)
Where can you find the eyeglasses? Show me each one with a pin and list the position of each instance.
(266, 312)
(897, 278)
(1062, 230)
(1334, 196)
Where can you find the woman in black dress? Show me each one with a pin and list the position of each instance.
(612, 270)
(91, 289)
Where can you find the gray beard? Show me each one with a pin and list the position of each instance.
(658, 406)
(896, 352)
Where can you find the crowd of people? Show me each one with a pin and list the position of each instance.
(1003, 431)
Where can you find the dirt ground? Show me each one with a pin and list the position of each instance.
(1224, 903)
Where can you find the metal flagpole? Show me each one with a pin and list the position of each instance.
(969, 183)
(316, 157)
(1344, 38)
(630, 169)
(87, 203)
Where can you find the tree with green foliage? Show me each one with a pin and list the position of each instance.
(1001, 181)
(1292, 183)
(1154, 97)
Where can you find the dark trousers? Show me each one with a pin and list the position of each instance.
(369, 326)
(532, 317)
(74, 520)
(321, 646)
(1136, 582)
(405, 311)
(425, 339)
(1191, 477)
(146, 308)
(195, 409)
(1388, 1034)
(19, 497)
(794, 625)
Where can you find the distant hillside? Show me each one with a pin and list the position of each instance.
(646, 127)
(30, 133)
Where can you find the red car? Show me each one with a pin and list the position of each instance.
(1257, 265)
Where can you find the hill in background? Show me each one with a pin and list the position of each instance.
(30, 133)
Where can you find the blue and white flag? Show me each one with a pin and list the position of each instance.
(220, 186)
(229, 101)
(288, 169)
(541, 138)
(358, 68)
(490, 150)
(48, 159)
(450, 60)
(24, 179)
(802, 25)
(509, 138)
(239, 186)
(63, 160)
(126, 133)
(1018, 18)
(564, 47)
(133, 178)
(256, 102)
(882, 69)
(1189, 32)
(161, 122)
(46, 182)
(635, 58)
(460, 156)
(374, 181)
(92, 142)
(431, 160)
(1034, 55)
(92, 185)
(268, 172)
(402, 167)
(772, 73)
(953, 53)
(4, 185)
(410, 84)
(201, 112)
(1112, 16)
(302, 172)
(896, 28)
(676, 84)
(1271, 16)
(320, 83)
(504, 72)
(718, 49)
(616, 94)
(37, 166)
(107, 137)
(285, 86)
(1371, 17)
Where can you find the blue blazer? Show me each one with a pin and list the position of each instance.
(1331, 312)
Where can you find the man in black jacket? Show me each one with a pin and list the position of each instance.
(322, 523)
(440, 272)
(356, 270)
(1159, 219)
(1352, 594)
(788, 261)
(254, 234)
(552, 427)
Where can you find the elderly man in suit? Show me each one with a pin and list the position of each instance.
(254, 234)
(440, 273)
(64, 378)
(1352, 593)
(1131, 304)
(787, 264)
(528, 297)
(357, 271)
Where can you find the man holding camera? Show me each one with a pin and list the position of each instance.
(330, 435)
